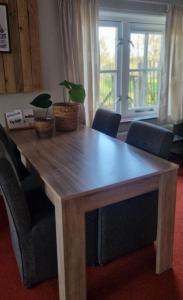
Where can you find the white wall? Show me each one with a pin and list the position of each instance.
(51, 60)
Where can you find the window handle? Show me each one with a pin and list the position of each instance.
(131, 43)
(129, 98)
(118, 99)
(120, 42)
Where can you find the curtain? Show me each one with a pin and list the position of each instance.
(171, 97)
(78, 28)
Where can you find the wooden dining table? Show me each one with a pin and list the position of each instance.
(85, 170)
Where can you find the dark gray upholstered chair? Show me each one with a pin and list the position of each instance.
(28, 180)
(131, 224)
(31, 219)
(178, 129)
(176, 151)
(13, 153)
(107, 122)
(151, 138)
(32, 227)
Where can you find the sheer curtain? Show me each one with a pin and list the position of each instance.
(78, 28)
(171, 100)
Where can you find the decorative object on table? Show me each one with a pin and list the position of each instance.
(4, 29)
(44, 124)
(20, 119)
(66, 113)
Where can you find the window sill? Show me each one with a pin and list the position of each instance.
(125, 122)
(142, 118)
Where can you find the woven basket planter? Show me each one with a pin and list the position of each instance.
(66, 116)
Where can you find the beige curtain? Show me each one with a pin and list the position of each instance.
(78, 29)
(171, 100)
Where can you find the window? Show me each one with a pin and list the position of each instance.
(130, 64)
(108, 37)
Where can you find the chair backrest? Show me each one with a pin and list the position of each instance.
(4, 153)
(151, 138)
(11, 150)
(107, 122)
(17, 209)
(178, 129)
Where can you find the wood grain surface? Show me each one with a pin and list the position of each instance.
(85, 161)
(20, 70)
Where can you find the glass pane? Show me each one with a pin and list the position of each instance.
(107, 44)
(154, 51)
(137, 50)
(107, 90)
(136, 80)
(144, 85)
(152, 88)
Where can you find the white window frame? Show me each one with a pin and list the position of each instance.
(128, 23)
(115, 24)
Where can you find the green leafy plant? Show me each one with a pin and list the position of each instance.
(42, 101)
(76, 91)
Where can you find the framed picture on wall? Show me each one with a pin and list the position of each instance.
(4, 29)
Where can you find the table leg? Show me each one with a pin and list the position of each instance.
(70, 228)
(166, 218)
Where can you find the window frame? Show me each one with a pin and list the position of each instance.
(128, 23)
(117, 25)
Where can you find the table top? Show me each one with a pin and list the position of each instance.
(84, 161)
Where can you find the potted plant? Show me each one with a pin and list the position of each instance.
(43, 124)
(66, 113)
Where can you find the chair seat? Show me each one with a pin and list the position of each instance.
(38, 203)
(43, 235)
(30, 183)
